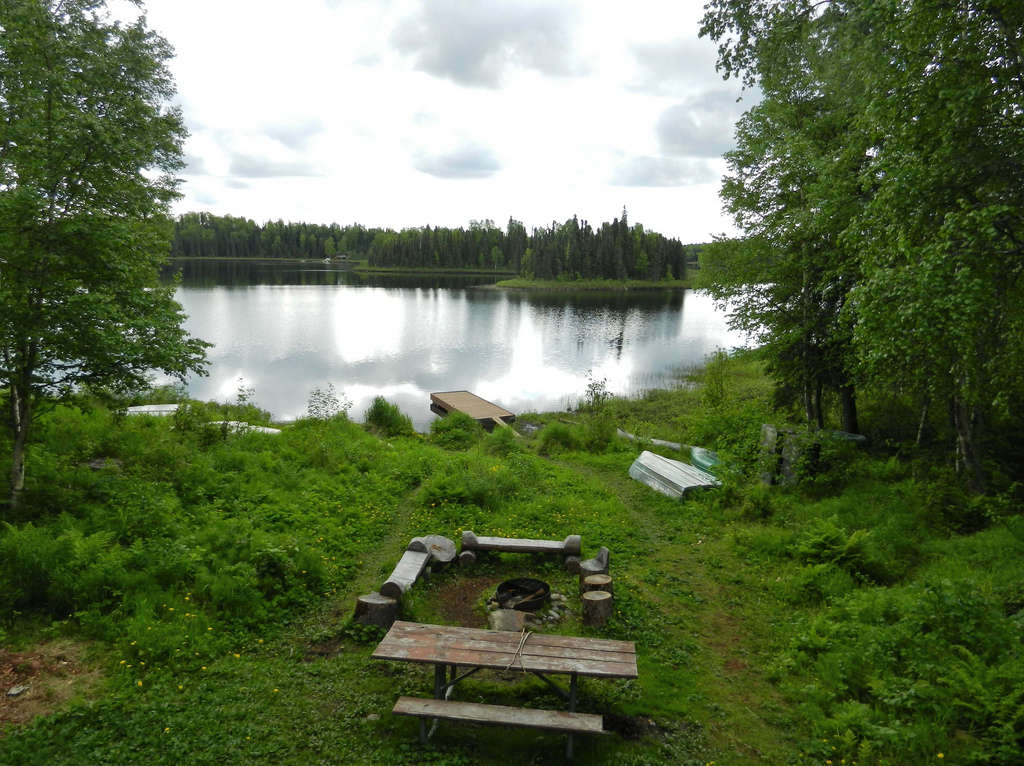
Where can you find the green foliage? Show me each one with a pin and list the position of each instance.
(854, 623)
(501, 442)
(467, 480)
(457, 431)
(87, 182)
(325, 404)
(386, 418)
(596, 393)
(879, 211)
(556, 437)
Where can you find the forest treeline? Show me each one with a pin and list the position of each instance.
(571, 250)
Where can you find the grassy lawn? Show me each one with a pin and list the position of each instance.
(201, 586)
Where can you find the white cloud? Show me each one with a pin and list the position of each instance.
(475, 43)
(370, 110)
(662, 171)
(468, 160)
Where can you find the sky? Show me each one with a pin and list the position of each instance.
(406, 113)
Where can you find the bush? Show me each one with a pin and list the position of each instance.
(473, 480)
(556, 437)
(457, 431)
(598, 433)
(502, 442)
(385, 417)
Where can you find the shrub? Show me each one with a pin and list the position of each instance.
(325, 404)
(457, 431)
(502, 442)
(598, 433)
(556, 437)
(473, 480)
(385, 417)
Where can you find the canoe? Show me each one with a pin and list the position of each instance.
(704, 459)
(671, 478)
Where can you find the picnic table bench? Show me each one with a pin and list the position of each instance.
(450, 648)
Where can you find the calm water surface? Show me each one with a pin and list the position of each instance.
(285, 329)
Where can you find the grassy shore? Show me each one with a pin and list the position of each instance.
(190, 590)
(569, 285)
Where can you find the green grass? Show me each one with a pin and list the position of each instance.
(862, 614)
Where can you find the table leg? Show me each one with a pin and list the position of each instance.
(440, 680)
(572, 709)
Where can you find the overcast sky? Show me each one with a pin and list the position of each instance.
(413, 112)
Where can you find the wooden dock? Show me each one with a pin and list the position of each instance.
(482, 411)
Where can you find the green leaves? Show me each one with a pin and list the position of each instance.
(884, 173)
(88, 148)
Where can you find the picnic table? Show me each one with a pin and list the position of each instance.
(451, 648)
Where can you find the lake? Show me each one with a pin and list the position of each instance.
(284, 329)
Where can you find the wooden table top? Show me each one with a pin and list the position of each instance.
(541, 653)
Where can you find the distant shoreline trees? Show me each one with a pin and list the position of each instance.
(571, 250)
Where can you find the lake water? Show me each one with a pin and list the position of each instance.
(285, 329)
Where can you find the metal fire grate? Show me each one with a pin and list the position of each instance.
(523, 593)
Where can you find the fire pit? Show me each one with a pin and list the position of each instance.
(523, 593)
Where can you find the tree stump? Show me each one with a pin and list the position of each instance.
(572, 564)
(467, 558)
(597, 582)
(597, 608)
(375, 609)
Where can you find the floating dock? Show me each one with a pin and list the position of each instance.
(482, 411)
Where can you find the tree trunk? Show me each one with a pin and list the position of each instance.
(921, 424)
(21, 419)
(819, 411)
(966, 421)
(848, 405)
(808, 402)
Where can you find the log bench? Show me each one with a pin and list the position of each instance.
(499, 715)
(569, 548)
(406, 572)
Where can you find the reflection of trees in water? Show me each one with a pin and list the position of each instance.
(529, 348)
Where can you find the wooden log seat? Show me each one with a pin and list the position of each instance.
(375, 609)
(407, 571)
(597, 607)
(569, 548)
(441, 549)
(596, 565)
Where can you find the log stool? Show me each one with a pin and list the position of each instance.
(375, 609)
(597, 582)
(597, 608)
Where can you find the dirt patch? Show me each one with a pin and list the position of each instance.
(41, 680)
(459, 599)
(630, 726)
(323, 650)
